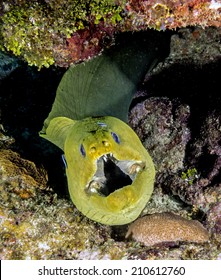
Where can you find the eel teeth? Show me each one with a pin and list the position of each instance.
(112, 174)
(105, 158)
(94, 187)
(136, 168)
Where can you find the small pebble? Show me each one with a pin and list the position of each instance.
(166, 227)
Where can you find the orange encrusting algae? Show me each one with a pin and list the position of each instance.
(165, 227)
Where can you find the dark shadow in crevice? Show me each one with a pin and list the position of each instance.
(118, 233)
(26, 99)
(205, 162)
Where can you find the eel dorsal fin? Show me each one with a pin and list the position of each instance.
(106, 84)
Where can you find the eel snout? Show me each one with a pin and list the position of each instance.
(113, 174)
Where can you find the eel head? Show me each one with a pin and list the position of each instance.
(110, 174)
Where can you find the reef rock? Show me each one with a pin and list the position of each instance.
(162, 126)
(75, 31)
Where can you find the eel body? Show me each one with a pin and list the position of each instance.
(110, 174)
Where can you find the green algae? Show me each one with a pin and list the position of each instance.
(190, 175)
(33, 28)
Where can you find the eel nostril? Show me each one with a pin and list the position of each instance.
(93, 149)
(105, 143)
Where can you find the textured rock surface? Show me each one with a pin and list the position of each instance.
(162, 126)
(177, 115)
(7, 65)
(75, 31)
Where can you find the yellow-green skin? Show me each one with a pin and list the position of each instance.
(123, 205)
(98, 92)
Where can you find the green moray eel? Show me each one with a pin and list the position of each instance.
(110, 174)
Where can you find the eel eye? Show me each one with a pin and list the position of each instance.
(115, 137)
(82, 150)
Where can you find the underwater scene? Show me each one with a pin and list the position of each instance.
(110, 130)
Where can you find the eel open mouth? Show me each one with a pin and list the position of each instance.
(113, 174)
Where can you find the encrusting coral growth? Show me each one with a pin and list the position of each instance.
(43, 31)
(63, 32)
(166, 227)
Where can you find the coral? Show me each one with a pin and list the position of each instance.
(181, 252)
(199, 45)
(46, 32)
(35, 224)
(163, 132)
(45, 225)
(193, 175)
(24, 33)
(172, 14)
(83, 44)
(37, 29)
(208, 145)
(213, 220)
(166, 227)
(205, 192)
(30, 233)
(18, 176)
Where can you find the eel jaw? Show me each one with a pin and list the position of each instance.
(113, 174)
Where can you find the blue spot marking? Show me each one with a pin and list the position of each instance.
(82, 150)
(64, 161)
(115, 137)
